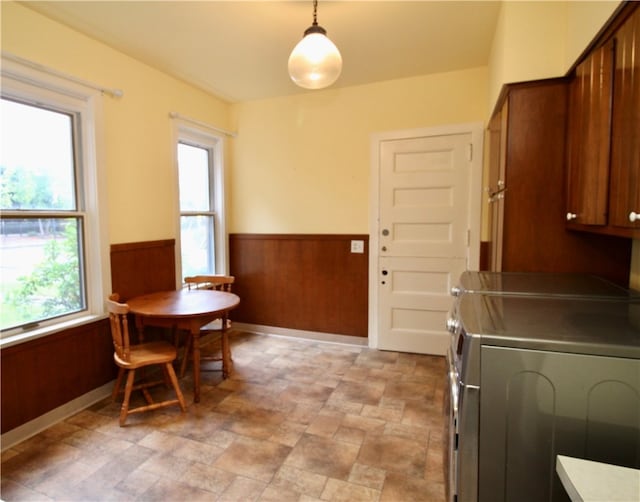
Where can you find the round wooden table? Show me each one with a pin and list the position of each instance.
(188, 310)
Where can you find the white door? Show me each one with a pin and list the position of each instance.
(425, 232)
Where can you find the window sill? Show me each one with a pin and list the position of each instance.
(16, 339)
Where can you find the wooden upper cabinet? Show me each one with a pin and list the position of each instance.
(589, 138)
(527, 153)
(624, 204)
(603, 172)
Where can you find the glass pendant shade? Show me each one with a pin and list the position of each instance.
(315, 62)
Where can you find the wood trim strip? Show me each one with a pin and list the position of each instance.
(133, 246)
(345, 237)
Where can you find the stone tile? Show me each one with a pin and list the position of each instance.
(278, 494)
(367, 476)
(306, 393)
(11, 490)
(253, 458)
(88, 419)
(342, 491)
(167, 489)
(393, 453)
(242, 489)
(366, 393)
(370, 358)
(417, 433)
(323, 456)
(300, 481)
(325, 424)
(304, 413)
(256, 423)
(137, 483)
(349, 435)
(162, 442)
(207, 477)
(367, 424)
(58, 480)
(348, 407)
(198, 452)
(399, 487)
(288, 433)
(424, 414)
(409, 390)
(166, 465)
(388, 410)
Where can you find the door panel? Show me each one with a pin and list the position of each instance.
(415, 294)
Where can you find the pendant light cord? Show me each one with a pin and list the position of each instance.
(315, 12)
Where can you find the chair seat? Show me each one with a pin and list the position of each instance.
(146, 354)
(213, 326)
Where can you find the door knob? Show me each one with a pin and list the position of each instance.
(571, 216)
(384, 248)
(384, 272)
(633, 216)
(385, 232)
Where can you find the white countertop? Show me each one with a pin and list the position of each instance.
(588, 481)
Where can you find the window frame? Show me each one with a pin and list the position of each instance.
(198, 135)
(34, 87)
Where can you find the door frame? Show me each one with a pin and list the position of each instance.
(476, 130)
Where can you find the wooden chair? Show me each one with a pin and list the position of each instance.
(212, 332)
(130, 357)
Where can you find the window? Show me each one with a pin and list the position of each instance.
(50, 245)
(201, 197)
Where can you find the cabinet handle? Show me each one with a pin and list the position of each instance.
(633, 216)
(571, 216)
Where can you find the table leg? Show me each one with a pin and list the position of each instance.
(139, 320)
(195, 336)
(225, 349)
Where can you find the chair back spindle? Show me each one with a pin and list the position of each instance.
(217, 282)
(119, 326)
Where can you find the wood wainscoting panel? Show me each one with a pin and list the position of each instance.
(301, 281)
(139, 268)
(42, 374)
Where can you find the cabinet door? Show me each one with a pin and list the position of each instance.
(496, 188)
(625, 153)
(589, 139)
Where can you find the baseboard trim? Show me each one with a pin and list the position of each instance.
(33, 427)
(297, 333)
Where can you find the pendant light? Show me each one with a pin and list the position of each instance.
(315, 62)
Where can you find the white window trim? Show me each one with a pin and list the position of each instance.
(29, 84)
(210, 138)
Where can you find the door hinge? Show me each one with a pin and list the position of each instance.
(470, 152)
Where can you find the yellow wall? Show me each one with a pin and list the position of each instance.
(529, 44)
(542, 39)
(137, 131)
(301, 163)
(584, 20)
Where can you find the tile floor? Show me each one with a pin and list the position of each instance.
(299, 420)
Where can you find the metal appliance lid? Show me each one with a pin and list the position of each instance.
(584, 326)
(542, 284)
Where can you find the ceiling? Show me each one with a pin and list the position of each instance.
(238, 50)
